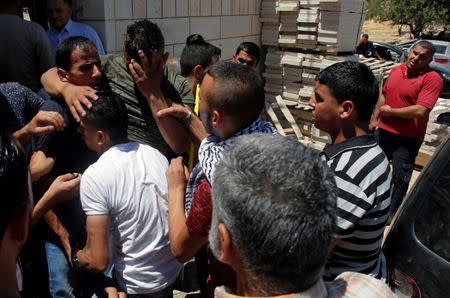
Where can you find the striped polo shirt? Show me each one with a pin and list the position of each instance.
(363, 178)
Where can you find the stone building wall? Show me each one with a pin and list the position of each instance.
(225, 23)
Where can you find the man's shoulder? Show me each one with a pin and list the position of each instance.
(349, 146)
(353, 284)
(179, 83)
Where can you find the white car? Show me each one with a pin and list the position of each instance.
(442, 55)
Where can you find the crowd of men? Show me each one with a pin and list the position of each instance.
(122, 169)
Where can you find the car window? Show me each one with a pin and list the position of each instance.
(432, 225)
(440, 49)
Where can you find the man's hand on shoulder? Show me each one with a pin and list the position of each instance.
(44, 122)
(77, 98)
(64, 188)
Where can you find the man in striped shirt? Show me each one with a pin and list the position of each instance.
(344, 97)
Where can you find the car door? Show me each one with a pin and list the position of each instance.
(418, 246)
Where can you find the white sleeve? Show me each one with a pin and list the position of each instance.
(93, 194)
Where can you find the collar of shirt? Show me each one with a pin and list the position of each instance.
(423, 71)
(319, 290)
(67, 27)
(366, 141)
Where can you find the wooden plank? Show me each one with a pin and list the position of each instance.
(275, 121)
(289, 117)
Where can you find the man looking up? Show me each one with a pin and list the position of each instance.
(59, 13)
(156, 88)
(409, 94)
(126, 187)
(231, 100)
(274, 214)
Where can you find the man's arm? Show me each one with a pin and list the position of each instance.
(76, 97)
(95, 255)
(148, 78)
(191, 121)
(40, 165)
(183, 244)
(42, 123)
(410, 112)
(65, 187)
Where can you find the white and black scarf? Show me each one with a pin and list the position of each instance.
(210, 153)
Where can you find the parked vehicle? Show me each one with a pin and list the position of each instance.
(417, 247)
(442, 56)
(392, 52)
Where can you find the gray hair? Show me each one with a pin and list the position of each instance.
(278, 200)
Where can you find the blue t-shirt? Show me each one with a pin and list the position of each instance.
(74, 29)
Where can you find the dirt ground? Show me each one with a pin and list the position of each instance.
(385, 31)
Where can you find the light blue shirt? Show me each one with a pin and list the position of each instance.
(74, 29)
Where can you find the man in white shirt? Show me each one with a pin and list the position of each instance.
(126, 188)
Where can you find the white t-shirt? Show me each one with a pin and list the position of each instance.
(128, 183)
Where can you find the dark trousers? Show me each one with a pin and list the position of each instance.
(402, 151)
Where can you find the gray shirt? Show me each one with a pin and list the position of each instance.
(24, 52)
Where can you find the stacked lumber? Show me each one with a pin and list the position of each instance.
(291, 31)
(273, 74)
(435, 132)
(337, 31)
(308, 24)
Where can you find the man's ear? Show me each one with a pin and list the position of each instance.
(62, 74)
(347, 108)
(102, 137)
(216, 118)
(198, 72)
(165, 57)
(226, 244)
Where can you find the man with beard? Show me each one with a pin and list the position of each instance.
(231, 101)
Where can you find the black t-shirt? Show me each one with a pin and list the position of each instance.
(71, 156)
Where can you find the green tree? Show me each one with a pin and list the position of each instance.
(416, 14)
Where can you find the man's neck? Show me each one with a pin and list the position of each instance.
(108, 146)
(348, 132)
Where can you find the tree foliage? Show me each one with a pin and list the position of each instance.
(417, 14)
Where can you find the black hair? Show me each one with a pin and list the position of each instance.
(250, 48)
(426, 45)
(352, 81)
(64, 50)
(13, 172)
(238, 91)
(109, 113)
(197, 52)
(143, 35)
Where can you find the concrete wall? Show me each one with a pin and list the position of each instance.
(225, 23)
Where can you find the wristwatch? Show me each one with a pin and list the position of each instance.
(75, 262)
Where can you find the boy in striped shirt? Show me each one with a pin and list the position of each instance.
(344, 97)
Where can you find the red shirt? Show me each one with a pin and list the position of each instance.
(199, 222)
(401, 91)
